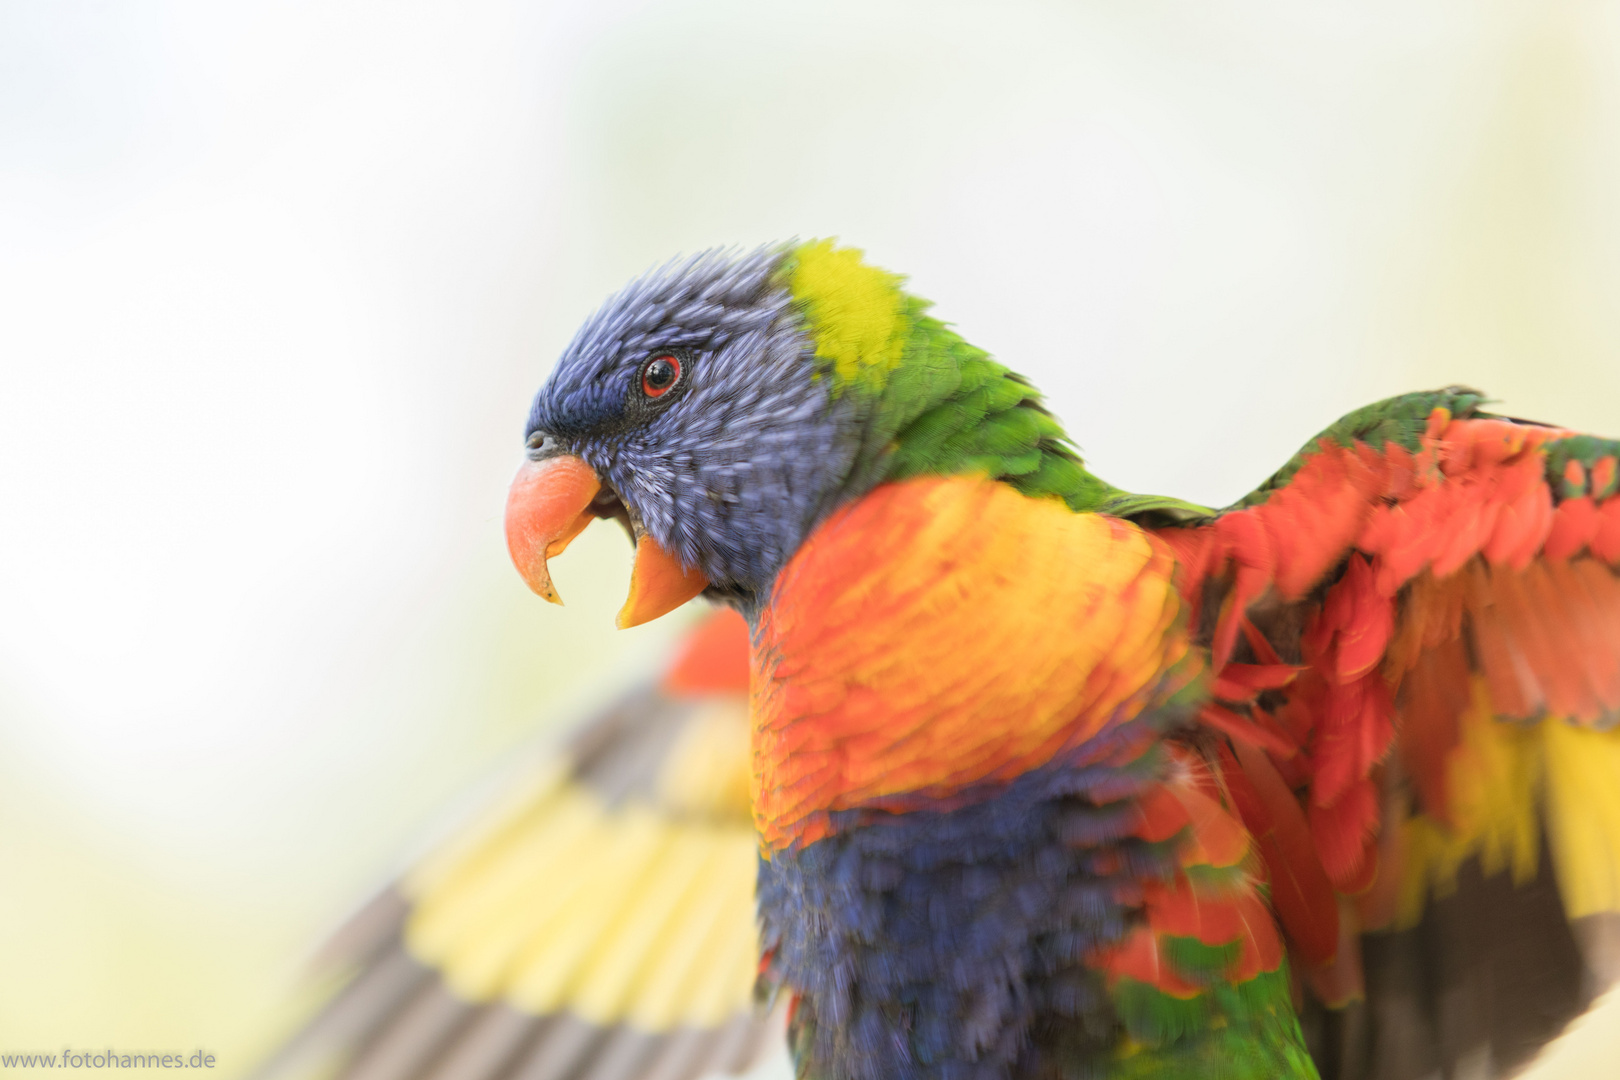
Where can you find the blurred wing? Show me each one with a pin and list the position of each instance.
(1415, 629)
(598, 922)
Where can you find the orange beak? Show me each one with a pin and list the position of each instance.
(550, 504)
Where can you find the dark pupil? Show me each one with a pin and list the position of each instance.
(660, 373)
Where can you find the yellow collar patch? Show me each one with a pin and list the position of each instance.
(855, 311)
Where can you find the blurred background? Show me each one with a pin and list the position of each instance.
(277, 281)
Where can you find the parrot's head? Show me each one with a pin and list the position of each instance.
(716, 407)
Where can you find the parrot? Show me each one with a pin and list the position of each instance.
(1025, 775)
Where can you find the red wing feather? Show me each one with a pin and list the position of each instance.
(1300, 892)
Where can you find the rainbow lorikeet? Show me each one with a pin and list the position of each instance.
(1044, 778)
(1048, 777)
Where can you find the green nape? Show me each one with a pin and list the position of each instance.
(948, 408)
(939, 406)
(1246, 1031)
(952, 409)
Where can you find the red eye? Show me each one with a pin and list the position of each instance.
(660, 374)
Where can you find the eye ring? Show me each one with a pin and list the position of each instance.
(660, 375)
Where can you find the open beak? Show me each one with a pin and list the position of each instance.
(552, 501)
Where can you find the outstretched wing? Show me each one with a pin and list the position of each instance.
(1415, 635)
(597, 922)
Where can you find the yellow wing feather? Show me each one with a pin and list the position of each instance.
(1506, 780)
(599, 914)
(640, 912)
(1583, 812)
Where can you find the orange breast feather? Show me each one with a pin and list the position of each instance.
(944, 633)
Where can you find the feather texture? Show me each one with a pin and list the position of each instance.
(886, 679)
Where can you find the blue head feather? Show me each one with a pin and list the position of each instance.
(731, 472)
